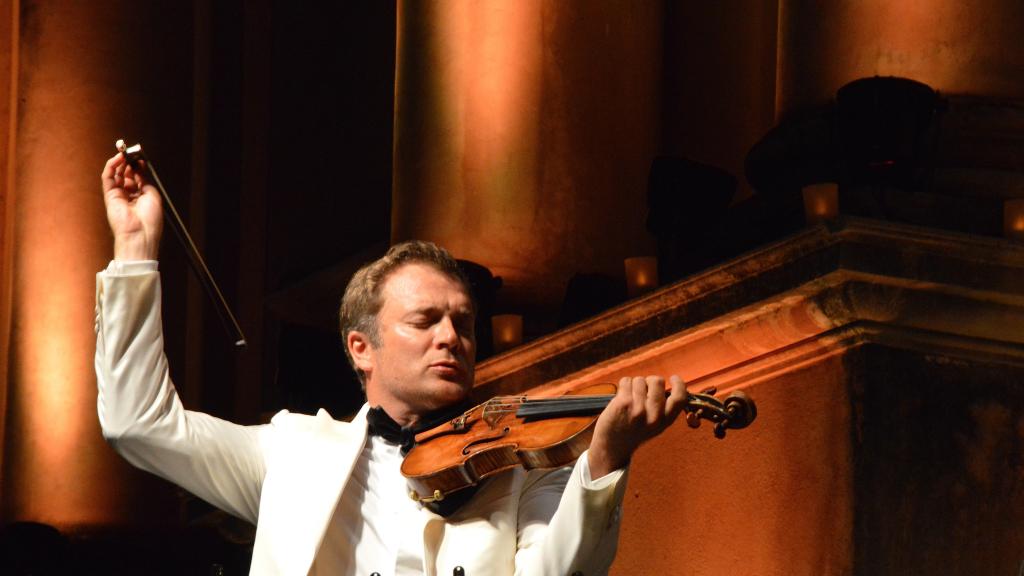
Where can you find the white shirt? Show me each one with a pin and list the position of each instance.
(376, 526)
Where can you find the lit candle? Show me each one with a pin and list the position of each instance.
(641, 275)
(507, 330)
(821, 202)
(1013, 219)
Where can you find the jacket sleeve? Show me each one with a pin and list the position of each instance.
(140, 413)
(569, 523)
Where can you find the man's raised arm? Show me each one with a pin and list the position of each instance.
(139, 410)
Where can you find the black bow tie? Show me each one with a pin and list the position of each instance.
(380, 424)
(383, 425)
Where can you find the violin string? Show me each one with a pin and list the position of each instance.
(558, 399)
(555, 406)
(526, 407)
(571, 405)
(539, 406)
(568, 403)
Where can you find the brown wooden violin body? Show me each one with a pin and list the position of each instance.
(510, 431)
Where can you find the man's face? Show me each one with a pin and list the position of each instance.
(426, 346)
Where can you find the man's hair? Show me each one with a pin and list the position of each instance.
(363, 299)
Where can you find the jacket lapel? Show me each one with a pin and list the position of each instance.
(301, 491)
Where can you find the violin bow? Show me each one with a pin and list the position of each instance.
(137, 159)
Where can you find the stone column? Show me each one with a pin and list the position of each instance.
(89, 73)
(524, 132)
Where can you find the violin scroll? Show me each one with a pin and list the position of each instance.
(736, 411)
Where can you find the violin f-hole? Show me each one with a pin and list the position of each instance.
(468, 447)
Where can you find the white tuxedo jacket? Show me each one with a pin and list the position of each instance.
(287, 476)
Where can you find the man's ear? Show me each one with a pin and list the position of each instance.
(360, 347)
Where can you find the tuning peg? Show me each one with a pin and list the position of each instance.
(710, 390)
(720, 429)
(693, 419)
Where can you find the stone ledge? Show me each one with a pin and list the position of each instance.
(820, 288)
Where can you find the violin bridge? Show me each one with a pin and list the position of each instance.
(498, 407)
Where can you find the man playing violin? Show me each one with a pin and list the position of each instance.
(327, 497)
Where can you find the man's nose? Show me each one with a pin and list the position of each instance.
(446, 335)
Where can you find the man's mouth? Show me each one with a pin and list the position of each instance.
(449, 368)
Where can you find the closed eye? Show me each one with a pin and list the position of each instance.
(422, 322)
(463, 321)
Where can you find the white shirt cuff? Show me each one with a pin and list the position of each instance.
(131, 267)
(602, 482)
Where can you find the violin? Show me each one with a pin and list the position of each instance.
(510, 431)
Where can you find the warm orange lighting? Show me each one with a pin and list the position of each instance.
(641, 275)
(57, 469)
(496, 154)
(469, 79)
(59, 247)
(821, 202)
(1013, 219)
(507, 330)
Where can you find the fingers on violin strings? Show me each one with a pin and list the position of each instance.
(624, 395)
(639, 397)
(655, 395)
(624, 388)
(655, 386)
(677, 398)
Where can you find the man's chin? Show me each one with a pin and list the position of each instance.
(448, 392)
